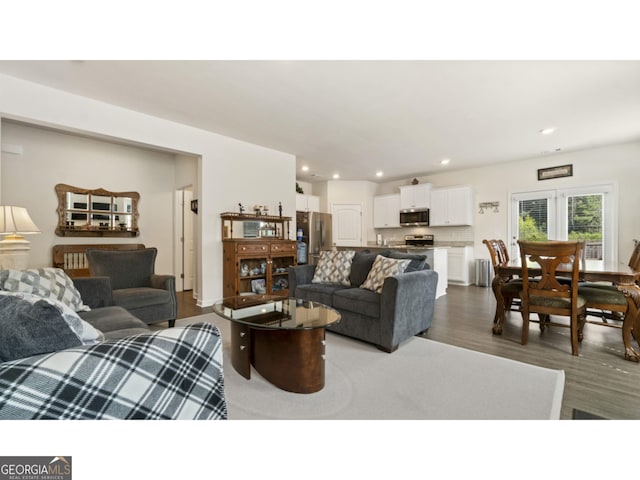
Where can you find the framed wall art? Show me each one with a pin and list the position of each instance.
(555, 172)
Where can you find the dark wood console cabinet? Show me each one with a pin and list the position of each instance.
(257, 266)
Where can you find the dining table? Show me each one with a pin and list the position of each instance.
(623, 277)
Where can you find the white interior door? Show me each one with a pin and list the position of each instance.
(187, 244)
(184, 251)
(347, 224)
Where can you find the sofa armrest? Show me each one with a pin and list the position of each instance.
(95, 291)
(300, 275)
(407, 304)
(170, 374)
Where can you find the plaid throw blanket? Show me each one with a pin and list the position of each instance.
(170, 374)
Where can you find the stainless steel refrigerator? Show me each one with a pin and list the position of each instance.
(316, 233)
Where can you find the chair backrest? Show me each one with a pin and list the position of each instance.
(498, 252)
(72, 259)
(555, 259)
(125, 268)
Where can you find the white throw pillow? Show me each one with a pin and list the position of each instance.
(85, 332)
(334, 267)
(47, 283)
(382, 268)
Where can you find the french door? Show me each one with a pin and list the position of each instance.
(581, 213)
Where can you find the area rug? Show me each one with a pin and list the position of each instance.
(422, 380)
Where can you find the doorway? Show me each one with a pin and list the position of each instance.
(185, 264)
(347, 224)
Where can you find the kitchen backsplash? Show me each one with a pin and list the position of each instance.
(442, 235)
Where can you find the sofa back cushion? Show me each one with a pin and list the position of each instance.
(416, 262)
(334, 267)
(361, 265)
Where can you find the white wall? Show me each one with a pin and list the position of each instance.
(49, 157)
(619, 164)
(228, 170)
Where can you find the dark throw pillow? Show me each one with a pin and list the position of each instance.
(418, 262)
(31, 329)
(361, 264)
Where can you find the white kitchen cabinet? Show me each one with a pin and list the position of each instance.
(415, 196)
(460, 265)
(451, 206)
(307, 203)
(386, 211)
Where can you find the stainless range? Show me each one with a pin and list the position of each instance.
(418, 240)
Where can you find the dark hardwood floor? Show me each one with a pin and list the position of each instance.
(599, 381)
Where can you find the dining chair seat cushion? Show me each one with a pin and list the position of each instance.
(512, 286)
(600, 286)
(603, 296)
(555, 302)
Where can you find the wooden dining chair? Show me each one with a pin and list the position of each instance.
(513, 286)
(605, 301)
(547, 296)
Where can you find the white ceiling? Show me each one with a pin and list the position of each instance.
(358, 117)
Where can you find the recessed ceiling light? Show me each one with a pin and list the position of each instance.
(336, 176)
(305, 168)
(444, 161)
(547, 131)
(379, 174)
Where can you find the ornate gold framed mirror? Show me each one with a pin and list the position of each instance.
(96, 213)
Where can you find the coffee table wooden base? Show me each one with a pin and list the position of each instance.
(292, 360)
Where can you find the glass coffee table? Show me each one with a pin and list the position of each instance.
(282, 337)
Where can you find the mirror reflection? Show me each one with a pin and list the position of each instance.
(99, 212)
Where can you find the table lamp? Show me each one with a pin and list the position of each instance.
(14, 249)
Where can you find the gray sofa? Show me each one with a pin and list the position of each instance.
(403, 309)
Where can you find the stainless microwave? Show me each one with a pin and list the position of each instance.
(414, 217)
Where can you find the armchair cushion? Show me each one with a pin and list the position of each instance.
(126, 268)
(133, 298)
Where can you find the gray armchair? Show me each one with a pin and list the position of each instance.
(134, 284)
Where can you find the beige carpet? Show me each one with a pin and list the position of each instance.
(423, 379)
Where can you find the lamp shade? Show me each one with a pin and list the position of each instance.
(16, 220)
